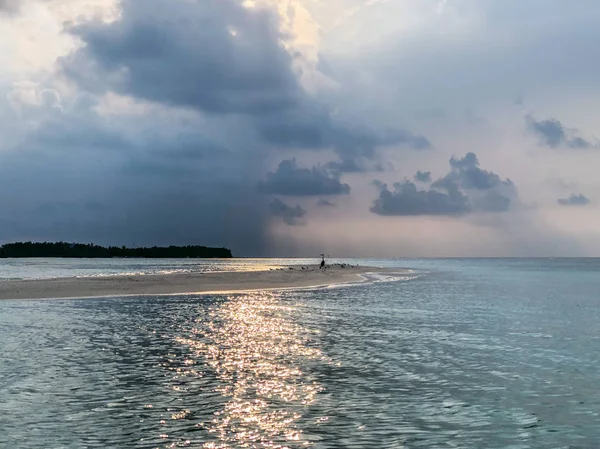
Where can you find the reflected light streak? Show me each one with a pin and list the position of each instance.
(255, 351)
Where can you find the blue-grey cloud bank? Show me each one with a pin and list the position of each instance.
(232, 123)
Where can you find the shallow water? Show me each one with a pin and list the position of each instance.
(472, 354)
(49, 268)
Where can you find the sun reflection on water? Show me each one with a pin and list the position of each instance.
(256, 350)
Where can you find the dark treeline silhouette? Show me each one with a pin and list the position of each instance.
(79, 250)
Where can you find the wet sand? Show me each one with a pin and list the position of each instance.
(286, 277)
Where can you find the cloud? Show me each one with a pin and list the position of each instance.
(158, 124)
(423, 176)
(290, 215)
(346, 166)
(492, 201)
(138, 121)
(467, 188)
(313, 126)
(357, 165)
(486, 190)
(237, 62)
(325, 203)
(217, 56)
(291, 180)
(9, 6)
(574, 200)
(156, 177)
(553, 134)
(466, 173)
(406, 199)
(461, 51)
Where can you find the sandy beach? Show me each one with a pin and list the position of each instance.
(217, 282)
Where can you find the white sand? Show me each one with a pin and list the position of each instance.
(182, 283)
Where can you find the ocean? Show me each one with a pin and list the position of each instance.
(467, 353)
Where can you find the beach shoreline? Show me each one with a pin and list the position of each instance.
(185, 283)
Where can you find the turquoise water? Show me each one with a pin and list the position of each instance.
(474, 353)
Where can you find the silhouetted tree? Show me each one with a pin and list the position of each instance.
(80, 250)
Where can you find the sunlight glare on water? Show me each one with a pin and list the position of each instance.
(256, 355)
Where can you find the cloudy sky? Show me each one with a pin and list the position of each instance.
(388, 128)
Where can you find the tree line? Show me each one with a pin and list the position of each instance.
(81, 250)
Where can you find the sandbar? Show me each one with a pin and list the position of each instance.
(184, 283)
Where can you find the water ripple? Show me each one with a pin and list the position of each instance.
(447, 360)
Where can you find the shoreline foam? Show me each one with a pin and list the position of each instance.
(185, 283)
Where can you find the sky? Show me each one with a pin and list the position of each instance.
(357, 128)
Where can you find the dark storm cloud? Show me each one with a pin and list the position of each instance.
(311, 126)
(106, 205)
(159, 180)
(553, 134)
(220, 57)
(325, 203)
(467, 174)
(141, 180)
(78, 126)
(466, 189)
(574, 200)
(406, 199)
(468, 161)
(291, 180)
(217, 56)
(232, 63)
(165, 179)
(290, 215)
(423, 176)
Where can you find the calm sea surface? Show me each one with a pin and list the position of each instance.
(45, 268)
(472, 353)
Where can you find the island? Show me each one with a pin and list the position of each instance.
(83, 250)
